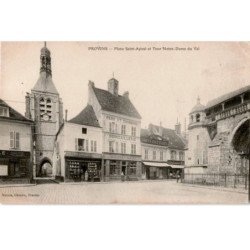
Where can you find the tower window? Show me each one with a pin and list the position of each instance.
(45, 109)
(198, 117)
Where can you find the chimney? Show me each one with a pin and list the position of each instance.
(126, 94)
(178, 128)
(66, 115)
(113, 86)
(90, 92)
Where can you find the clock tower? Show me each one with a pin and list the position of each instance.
(44, 106)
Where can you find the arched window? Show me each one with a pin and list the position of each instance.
(45, 109)
(198, 117)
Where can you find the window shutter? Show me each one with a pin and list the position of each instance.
(12, 140)
(76, 144)
(87, 145)
(17, 137)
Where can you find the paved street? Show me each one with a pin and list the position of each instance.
(143, 192)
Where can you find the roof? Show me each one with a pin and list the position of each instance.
(168, 137)
(116, 104)
(45, 84)
(198, 107)
(227, 96)
(86, 117)
(13, 114)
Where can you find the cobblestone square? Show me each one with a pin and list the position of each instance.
(141, 192)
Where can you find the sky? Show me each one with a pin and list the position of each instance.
(163, 84)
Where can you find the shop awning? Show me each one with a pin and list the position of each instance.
(177, 166)
(156, 164)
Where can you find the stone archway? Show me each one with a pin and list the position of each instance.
(240, 141)
(45, 168)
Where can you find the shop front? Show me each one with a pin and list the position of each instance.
(80, 168)
(156, 170)
(15, 166)
(121, 167)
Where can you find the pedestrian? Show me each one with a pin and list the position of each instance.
(122, 176)
(178, 177)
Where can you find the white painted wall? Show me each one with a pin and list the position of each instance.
(25, 135)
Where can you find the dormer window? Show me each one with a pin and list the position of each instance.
(4, 111)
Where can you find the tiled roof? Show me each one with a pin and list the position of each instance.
(116, 104)
(13, 114)
(168, 137)
(86, 117)
(227, 96)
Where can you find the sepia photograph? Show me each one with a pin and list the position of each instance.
(124, 122)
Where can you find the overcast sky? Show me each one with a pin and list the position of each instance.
(163, 84)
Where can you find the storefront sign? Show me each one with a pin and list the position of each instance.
(9, 154)
(154, 142)
(122, 137)
(3, 170)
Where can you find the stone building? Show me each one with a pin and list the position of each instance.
(44, 106)
(219, 135)
(162, 152)
(15, 145)
(121, 124)
(78, 148)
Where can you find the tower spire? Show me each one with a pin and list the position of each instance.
(45, 60)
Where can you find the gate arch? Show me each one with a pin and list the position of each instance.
(45, 167)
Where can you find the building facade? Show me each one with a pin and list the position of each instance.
(15, 145)
(44, 107)
(219, 135)
(162, 152)
(78, 148)
(121, 124)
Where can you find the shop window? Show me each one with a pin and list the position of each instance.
(111, 146)
(74, 169)
(84, 130)
(133, 149)
(79, 144)
(161, 156)
(14, 140)
(146, 154)
(114, 168)
(133, 131)
(123, 132)
(154, 155)
(173, 155)
(4, 111)
(132, 168)
(123, 148)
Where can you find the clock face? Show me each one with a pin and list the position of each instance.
(45, 117)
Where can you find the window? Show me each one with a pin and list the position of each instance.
(87, 145)
(93, 146)
(133, 149)
(111, 146)
(14, 139)
(114, 168)
(181, 156)
(45, 109)
(161, 156)
(173, 155)
(123, 129)
(133, 131)
(154, 155)
(132, 168)
(84, 130)
(79, 144)
(197, 137)
(116, 147)
(123, 148)
(198, 117)
(4, 111)
(112, 127)
(146, 154)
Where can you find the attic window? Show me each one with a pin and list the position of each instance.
(4, 111)
(84, 130)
